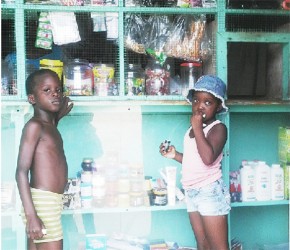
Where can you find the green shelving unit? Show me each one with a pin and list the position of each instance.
(252, 124)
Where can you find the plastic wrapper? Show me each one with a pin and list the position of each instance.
(134, 31)
(188, 40)
(44, 32)
(156, 33)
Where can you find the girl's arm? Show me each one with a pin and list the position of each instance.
(210, 147)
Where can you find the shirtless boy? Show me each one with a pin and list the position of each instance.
(41, 173)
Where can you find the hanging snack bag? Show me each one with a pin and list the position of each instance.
(134, 30)
(44, 32)
(156, 34)
(186, 40)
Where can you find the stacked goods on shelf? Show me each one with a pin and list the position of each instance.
(284, 155)
(256, 181)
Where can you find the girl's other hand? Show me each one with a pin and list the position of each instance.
(169, 153)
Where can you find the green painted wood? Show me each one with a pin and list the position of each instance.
(167, 117)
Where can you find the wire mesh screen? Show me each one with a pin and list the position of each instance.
(162, 43)
(90, 38)
(258, 23)
(8, 54)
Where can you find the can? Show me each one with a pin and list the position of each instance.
(54, 65)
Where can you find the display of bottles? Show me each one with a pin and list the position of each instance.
(248, 183)
(263, 181)
(135, 80)
(277, 182)
(78, 78)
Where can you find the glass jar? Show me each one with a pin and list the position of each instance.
(78, 78)
(135, 80)
(190, 72)
(157, 79)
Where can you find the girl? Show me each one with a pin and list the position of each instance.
(207, 198)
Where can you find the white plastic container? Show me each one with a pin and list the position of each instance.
(263, 181)
(277, 182)
(248, 183)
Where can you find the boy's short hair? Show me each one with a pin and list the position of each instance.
(33, 79)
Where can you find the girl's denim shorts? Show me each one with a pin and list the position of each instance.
(211, 200)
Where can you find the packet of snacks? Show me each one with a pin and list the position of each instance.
(156, 33)
(188, 40)
(133, 32)
(44, 32)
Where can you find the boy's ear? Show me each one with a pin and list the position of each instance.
(31, 99)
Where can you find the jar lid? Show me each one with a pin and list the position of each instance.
(191, 64)
(160, 191)
(88, 160)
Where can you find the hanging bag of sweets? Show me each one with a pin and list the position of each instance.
(133, 33)
(186, 40)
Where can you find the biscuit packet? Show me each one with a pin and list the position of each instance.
(44, 37)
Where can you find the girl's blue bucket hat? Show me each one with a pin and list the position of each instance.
(213, 85)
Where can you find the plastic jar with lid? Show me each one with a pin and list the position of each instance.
(160, 196)
(190, 72)
(157, 79)
(78, 78)
(135, 80)
(104, 80)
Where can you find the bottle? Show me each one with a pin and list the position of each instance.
(135, 80)
(248, 183)
(277, 182)
(262, 181)
(78, 78)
